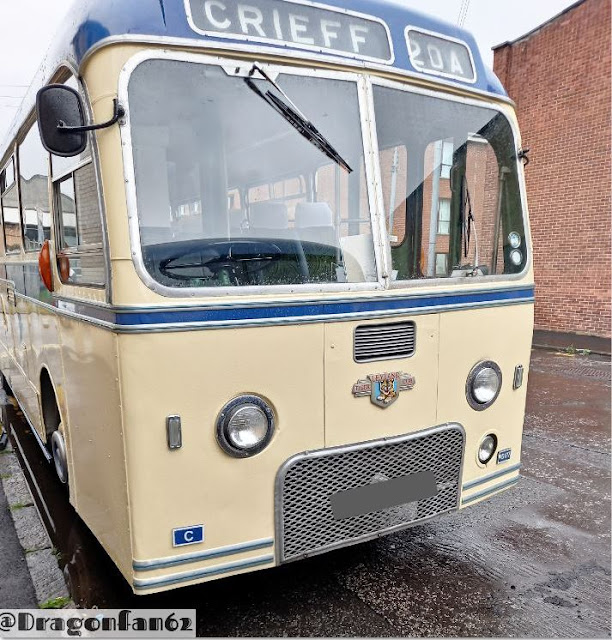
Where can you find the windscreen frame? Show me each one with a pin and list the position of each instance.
(274, 69)
(507, 112)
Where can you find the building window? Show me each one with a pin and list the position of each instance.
(441, 264)
(444, 215)
(9, 204)
(448, 149)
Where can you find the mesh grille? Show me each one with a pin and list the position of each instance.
(384, 341)
(305, 513)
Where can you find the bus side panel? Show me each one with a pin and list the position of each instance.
(19, 310)
(503, 335)
(95, 435)
(193, 374)
(7, 353)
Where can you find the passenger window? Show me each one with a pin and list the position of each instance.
(9, 203)
(290, 192)
(81, 256)
(79, 234)
(34, 183)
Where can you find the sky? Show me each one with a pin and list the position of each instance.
(28, 26)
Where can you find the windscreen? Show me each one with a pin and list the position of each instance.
(451, 187)
(231, 189)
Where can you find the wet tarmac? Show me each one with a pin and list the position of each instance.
(534, 561)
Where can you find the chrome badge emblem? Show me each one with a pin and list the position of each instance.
(384, 388)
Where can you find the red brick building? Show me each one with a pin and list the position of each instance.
(559, 76)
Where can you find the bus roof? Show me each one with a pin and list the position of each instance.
(93, 23)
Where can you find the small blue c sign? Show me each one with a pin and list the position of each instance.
(188, 535)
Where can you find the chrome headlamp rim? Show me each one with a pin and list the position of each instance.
(469, 393)
(225, 415)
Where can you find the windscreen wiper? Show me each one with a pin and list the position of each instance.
(468, 219)
(290, 112)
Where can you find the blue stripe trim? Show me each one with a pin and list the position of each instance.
(150, 565)
(486, 492)
(202, 573)
(321, 310)
(478, 481)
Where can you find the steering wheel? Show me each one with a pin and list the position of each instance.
(242, 258)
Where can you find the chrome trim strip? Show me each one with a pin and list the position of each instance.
(491, 476)
(104, 316)
(486, 492)
(159, 563)
(391, 294)
(202, 573)
(320, 453)
(193, 326)
(253, 50)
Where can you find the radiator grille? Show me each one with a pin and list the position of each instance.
(384, 341)
(304, 515)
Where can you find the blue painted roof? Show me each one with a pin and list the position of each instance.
(91, 21)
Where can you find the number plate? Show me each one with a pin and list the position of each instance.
(383, 495)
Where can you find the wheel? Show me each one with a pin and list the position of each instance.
(58, 451)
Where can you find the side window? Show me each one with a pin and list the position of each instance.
(79, 236)
(9, 203)
(33, 180)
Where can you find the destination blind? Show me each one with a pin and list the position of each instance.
(440, 55)
(298, 25)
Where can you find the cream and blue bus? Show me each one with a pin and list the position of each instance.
(266, 278)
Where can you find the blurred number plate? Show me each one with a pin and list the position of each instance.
(304, 26)
(383, 495)
(440, 56)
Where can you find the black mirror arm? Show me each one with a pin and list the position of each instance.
(118, 113)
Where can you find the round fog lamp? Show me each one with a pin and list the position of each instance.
(487, 448)
(483, 385)
(515, 240)
(245, 426)
(516, 257)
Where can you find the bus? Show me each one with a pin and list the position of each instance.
(266, 278)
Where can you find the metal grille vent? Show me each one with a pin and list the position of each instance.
(384, 341)
(305, 518)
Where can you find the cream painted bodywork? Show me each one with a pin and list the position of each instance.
(115, 391)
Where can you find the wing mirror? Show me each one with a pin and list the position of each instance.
(61, 120)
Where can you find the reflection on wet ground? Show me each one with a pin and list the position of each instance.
(531, 562)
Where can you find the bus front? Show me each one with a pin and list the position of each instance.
(325, 328)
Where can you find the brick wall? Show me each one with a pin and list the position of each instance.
(559, 77)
